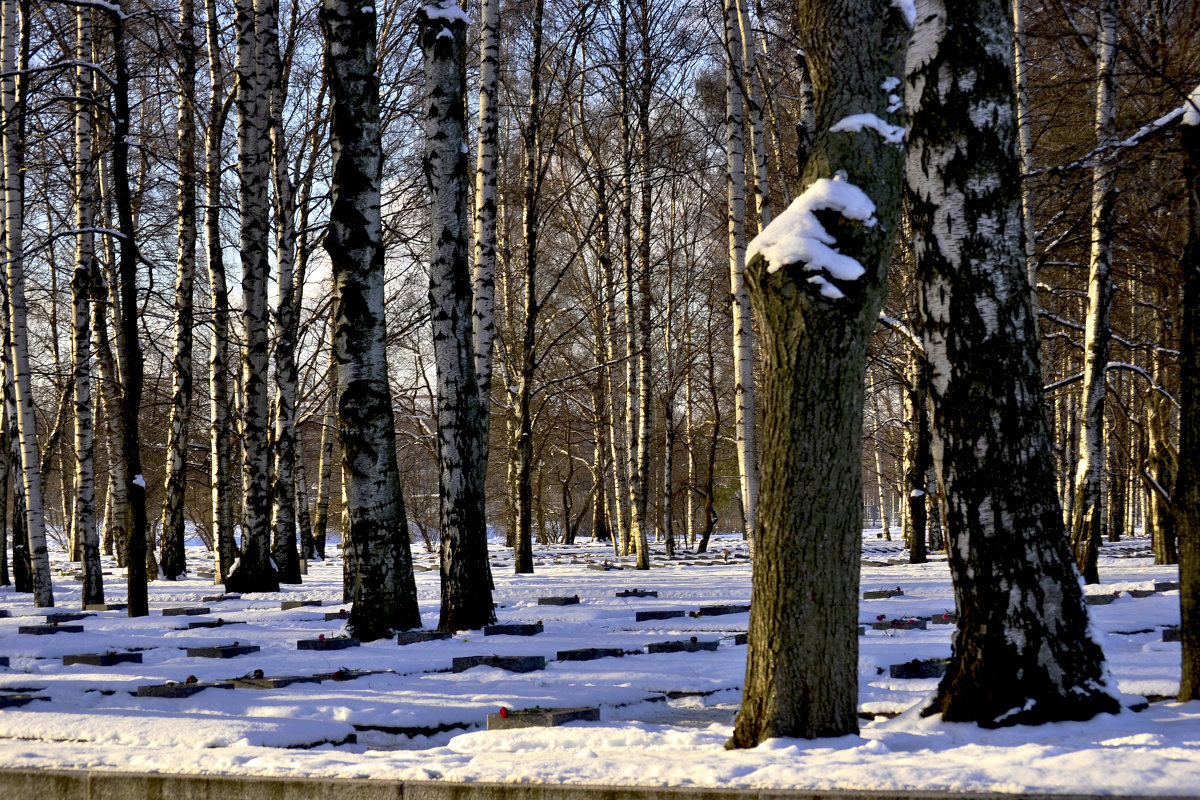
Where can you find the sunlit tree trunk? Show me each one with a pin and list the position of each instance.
(483, 313)
(384, 592)
(1088, 517)
(816, 316)
(1022, 651)
(84, 525)
(14, 257)
(173, 563)
(466, 588)
(220, 399)
(325, 477)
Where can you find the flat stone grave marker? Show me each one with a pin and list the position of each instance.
(1099, 599)
(742, 638)
(287, 605)
(900, 625)
(178, 690)
(1166, 586)
(417, 636)
(636, 593)
(45, 630)
(692, 646)
(4, 613)
(916, 669)
(212, 623)
(513, 629)
(882, 594)
(106, 607)
(65, 616)
(18, 700)
(539, 717)
(717, 611)
(3, 661)
(510, 663)
(339, 614)
(327, 643)
(948, 618)
(590, 653)
(1140, 592)
(223, 651)
(558, 601)
(669, 613)
(604, 566)
(220, 598)
(278, 682)
(1172, 634)
(185, 611)
(102, 659)
(345, 674)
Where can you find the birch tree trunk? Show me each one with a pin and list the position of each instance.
(743, 330)
(1088, 514)
(283, 550)
(917, 457)
(220, 433)
(640, 489)
(1161, 459)
(483, 311)
(254, 570)
(116, 532)
(173, 563)
(1022, 651)
(816, 313)
(13, 254)
(1187, 483)
(466, 588)
(5, 459)
(1025, 142)
(325, 478)
(84, 525)
(385, 594)
(750, 87)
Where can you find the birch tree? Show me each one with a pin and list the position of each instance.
(483, 309)
(12, 251)
(254, 571)
(1088, 513)
(173, 563)
(465, 578)
(1022, 652)
(384, 592)
(817, 278)
(84, 524)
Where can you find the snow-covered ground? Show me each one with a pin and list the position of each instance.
(664, 718)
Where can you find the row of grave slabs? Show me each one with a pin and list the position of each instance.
(196, 618)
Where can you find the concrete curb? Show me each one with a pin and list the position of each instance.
(105, 785)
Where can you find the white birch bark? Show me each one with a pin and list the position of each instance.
(84, 524)
(743, 332)
(13, 254)
(645, 426)
(1024, 141)
(483, 313)
(1088, 514)
(466, 592)
(750, 84)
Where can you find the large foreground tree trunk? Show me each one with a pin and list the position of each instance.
(1022, 651)
(817, 278)
(385, 594)
(1187, 484)
(466, 588)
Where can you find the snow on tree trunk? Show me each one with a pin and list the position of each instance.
(743, 331)
(817, 278)
(283, 523)
(465, 577)
(1022, 651)
(1088, 514)
(255, 571)
(84, 525)
(173, 562)
(1187, 483)
(220, 429)
(384, 592)
(14, 257)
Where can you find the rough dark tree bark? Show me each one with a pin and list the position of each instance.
(1022, 651)
(384, 592)
(465, 579)
(817, 278)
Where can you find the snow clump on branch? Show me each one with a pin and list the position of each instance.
(446, 10)
(797, 236)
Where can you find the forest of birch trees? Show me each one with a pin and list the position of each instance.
(177, 334)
